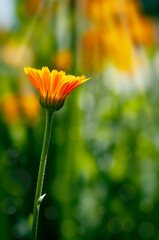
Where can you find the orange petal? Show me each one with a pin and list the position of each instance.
(46, 79)
(29, 73)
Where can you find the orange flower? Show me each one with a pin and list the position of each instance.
(30, 107)
(53, 86)
(63, 60)
(10, 111)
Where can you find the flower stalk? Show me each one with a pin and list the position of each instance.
(53, 88)
(41, 173)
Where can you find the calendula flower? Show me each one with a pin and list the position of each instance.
(53, 86)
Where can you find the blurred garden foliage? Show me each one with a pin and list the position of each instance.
(103, 164)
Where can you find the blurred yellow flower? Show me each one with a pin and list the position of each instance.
(103, 12)
(30, 107)
(16, 55)
(93, 50)
(120, 49)
(119, 26)
(12, 106)
(106, 46)
(63, 60)
(140, 27)
(10, 109)
(32, 6)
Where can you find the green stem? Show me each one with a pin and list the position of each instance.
(38, 197)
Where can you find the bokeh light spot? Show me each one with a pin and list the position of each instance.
(146, 230)
(146, 205)
(17, 182)
(128, 224)
(115, 225)
(69, 228)
(127, 192)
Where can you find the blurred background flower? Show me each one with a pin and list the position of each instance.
(102, 171)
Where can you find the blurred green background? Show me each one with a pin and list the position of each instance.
(102, 171)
